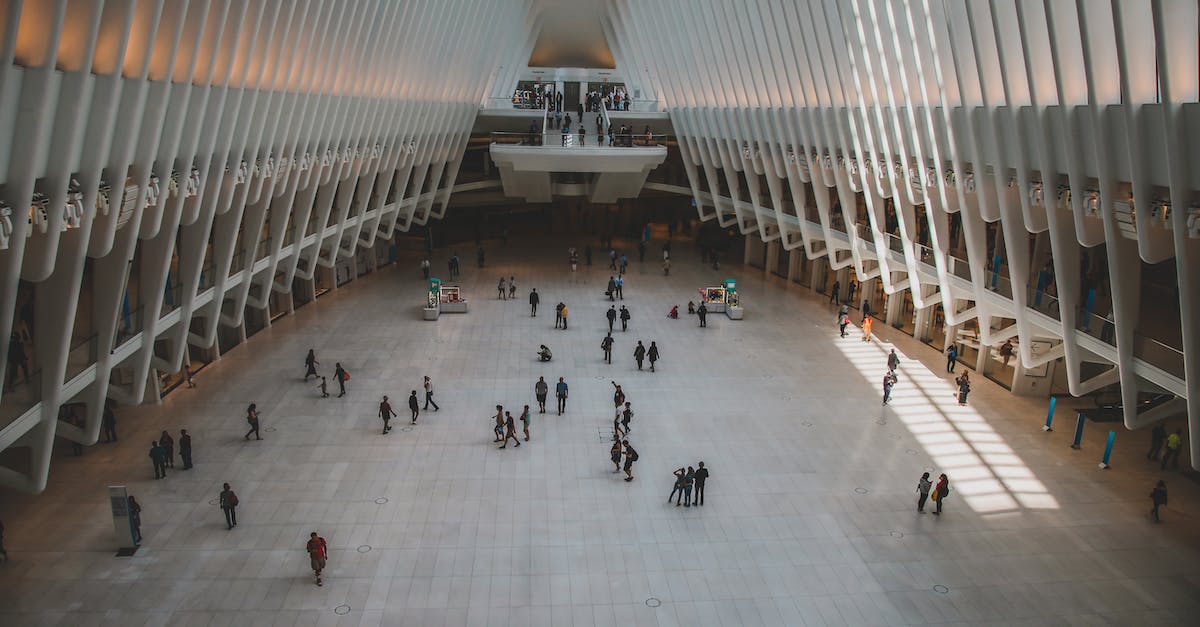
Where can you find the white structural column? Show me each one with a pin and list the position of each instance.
(1055, 137)
(196, 156)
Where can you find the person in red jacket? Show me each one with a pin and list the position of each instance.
(318, 551)
(940, 492)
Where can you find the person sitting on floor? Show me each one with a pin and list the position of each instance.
(544, 353)
(674, 315)
(691, 308)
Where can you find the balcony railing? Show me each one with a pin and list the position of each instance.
(83, 353)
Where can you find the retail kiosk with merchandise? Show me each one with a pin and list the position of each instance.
(713, 298)
(733, 301)
(443, 299)
(723, 298)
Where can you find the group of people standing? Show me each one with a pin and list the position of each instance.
(162, 452)
(687, 480)
(622, 415)
(939, 492)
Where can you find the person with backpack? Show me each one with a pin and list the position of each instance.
(940, 492)
(923, 486)
(624, 317)
(1158, 496)
(1174, 445)
(631, 456)
(228, 502)
(606, 345)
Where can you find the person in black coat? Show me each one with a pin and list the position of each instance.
(414, 406)
(158, 457)
(185, 448)
(534, 299)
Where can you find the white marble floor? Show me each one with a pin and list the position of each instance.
(809, 519)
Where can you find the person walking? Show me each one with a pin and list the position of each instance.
(639, 354)
(534, 299)
(893, 360)
(619, 282)
(964, 387)
(158, 457)
(951, 357)
(540, 390)
(341, 375)
(425, 269)
(1174, 445)
(501, 288)
(606, 344)
(498, 428)
(642, 250)
(843, 321)
(1158, 497)
(168, 444)
(611, 293)
(626, 416)
(617, 430)
(615, 453)
(866, 309)
(833, 293)
(310, 364)
(923, 486)
(631, 456)
(318, 555)
(452, 266)
(1158, 437)
(560, 391)
(414, 406)
(510, 430)
(867, 325)
(587, 255)
(612, 259)
(624, 317)
(701, 478)
(889, 381)
(135, 520)
(429, 394)
(702, 314)
(512, 287)
(558, 315)
(623, 270)
(611, 314)
(108, 424)
(666, 266)
(525, 420)
(940, 492)
(652, 354)
(228, 501)
(677, 487)
(17, 358)
(324, 388)
(185, 449)
(252, 420)
(386, 413)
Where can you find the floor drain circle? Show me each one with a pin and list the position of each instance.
(213, 502)
(881, 421)
(807, 423)
(341, 610)
(940, 589)
(653, 602)
(861, 490)
(406, 428)
(366, 548)
(910, 451)
(381, 500)
(270, 429)
(897, 534)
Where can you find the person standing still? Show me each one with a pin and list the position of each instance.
(386, 413)
(1158, 437)
(228, 502)
(541, 389)
(501, 287)
(940, 492)
(185, 448)
(1158, 497)
(631, 456)
(534, 299)
(158, 457)
(429, 394)
(512, 287)
(135, 520)
(560, 391)
(340, 374)
(168, 444)
(318, 555)
(624, 317)
(702, 313)
(677, 487)
(414, 406)
(558, 315)
(108, 424)
(688, 479)
(923, 486)
(833, 293)
(564, 317)
(701, 477)
(525, 420)
(615, 453)
(889, 381)
(252, 420)
(626, 416)
(951, 357)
